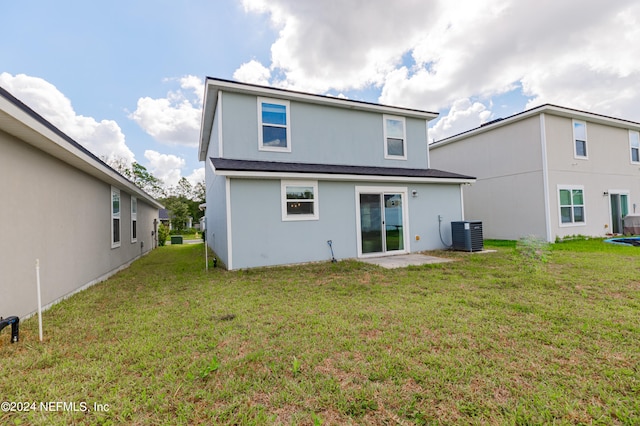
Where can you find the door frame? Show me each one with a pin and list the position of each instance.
(617, 192)
(384, 190)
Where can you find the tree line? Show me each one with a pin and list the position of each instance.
(182, 200)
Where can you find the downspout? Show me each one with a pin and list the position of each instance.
(229, 236)
(462, 201)
(545, 176)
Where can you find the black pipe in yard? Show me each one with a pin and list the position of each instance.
(15, 327)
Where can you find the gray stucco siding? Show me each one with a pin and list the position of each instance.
(319, 134)
(508, 206)
(608, 167)
(262, 238)
(607, 148)
(216, 215)
(62, 217)
(508, 196)
(431, 201)
(596, 203)
(504, 151)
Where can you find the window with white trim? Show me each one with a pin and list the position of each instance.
(571, 203)
(134, 219)
(580, 139)
(634, 146)
(115, 217)
(299, 200)
(395, 138)
(274, 129)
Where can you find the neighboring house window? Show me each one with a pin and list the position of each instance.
(580, 139)
(571, 205)
(274, 129)
(299, 200)
(634, 145)
(395, 140)
(134, 219)
(115, 217)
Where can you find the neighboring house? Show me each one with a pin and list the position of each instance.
(549, 171)
(286, 172)
(164, 217)
(64, 207)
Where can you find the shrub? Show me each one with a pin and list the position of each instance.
(163, 234)
(184, 231)
(534, 250)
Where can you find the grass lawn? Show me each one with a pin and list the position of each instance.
(512, 337)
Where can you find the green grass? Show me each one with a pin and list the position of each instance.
(495, 338)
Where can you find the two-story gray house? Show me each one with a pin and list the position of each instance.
(286, 172)
(550, 171)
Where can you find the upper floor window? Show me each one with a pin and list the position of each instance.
(580, 139)
(634, 146)
(274, 128)
(571, 205)
(299, 200)
(134, 219)
(395, 139)
(115, 218)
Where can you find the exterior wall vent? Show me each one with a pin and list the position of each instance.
(467, 236)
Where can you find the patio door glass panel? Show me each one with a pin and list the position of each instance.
(381, 223)
(371, 223)
(615, 213)
(624, 205)
(394, 233)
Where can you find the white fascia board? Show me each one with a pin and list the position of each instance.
(209, 105)
(339, 177)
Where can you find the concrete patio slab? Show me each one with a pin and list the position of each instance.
(404, 260)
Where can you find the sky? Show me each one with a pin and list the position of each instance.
(126, 78)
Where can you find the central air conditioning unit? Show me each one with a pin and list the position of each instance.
(466, 235)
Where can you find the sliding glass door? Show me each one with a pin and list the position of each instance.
(381, 222)
(619, 209)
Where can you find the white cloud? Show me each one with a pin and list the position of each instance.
(337, 44)
(165, 166)
(197, 175)
(103, 138)
(175, 119)
(253, 72)
(428, 54)
(462, 116)
(570, 53)
(196, 84)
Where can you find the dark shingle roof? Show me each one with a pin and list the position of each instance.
(283, 167)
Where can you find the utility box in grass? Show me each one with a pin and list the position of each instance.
(176, 239)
